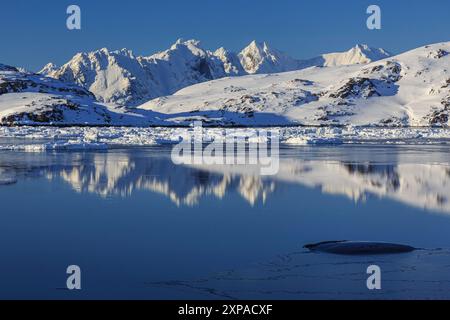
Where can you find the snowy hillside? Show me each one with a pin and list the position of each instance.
(120, 77)
(411, 89)
(32, 99)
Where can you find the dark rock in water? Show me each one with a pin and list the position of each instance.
(358, 247)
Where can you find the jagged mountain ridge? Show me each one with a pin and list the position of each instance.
(121, 78)
(410, 89)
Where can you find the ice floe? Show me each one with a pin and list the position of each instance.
(102, 137)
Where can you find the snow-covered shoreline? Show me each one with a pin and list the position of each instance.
(30, 137)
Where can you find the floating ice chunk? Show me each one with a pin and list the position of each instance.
(59, 145)
(164, 135)
(304, 140)
(7, 178)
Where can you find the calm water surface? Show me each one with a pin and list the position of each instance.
(141, 227)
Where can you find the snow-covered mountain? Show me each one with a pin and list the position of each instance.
(260, 58)
(360, 54)
(231, 62)
(411, 89)
(120, 77)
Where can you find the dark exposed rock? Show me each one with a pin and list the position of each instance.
(234, 89)
(446, 102)
(46, 114)
(389, 70)
(440, 117)
(18, 84)
(446, 84)
(438, 54)
(249, 99)
(394, 121)
(301, 82)
(356, 87)
(387, 121)
(378, 80)
(14, 86)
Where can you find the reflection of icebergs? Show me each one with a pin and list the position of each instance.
(7, 178)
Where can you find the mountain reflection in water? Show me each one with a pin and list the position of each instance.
(417, 176)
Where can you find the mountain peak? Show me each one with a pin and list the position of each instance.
(230, 60)
(370, 53)
(124, 52)
(221, 52)
(361, 47)
(256, 46)
(186, 43)
(366, 48)
(48, 68)
(258, 57)
(359, 54)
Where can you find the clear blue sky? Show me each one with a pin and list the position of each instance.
(34, 32)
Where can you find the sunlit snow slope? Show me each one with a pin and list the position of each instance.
(411, 89)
